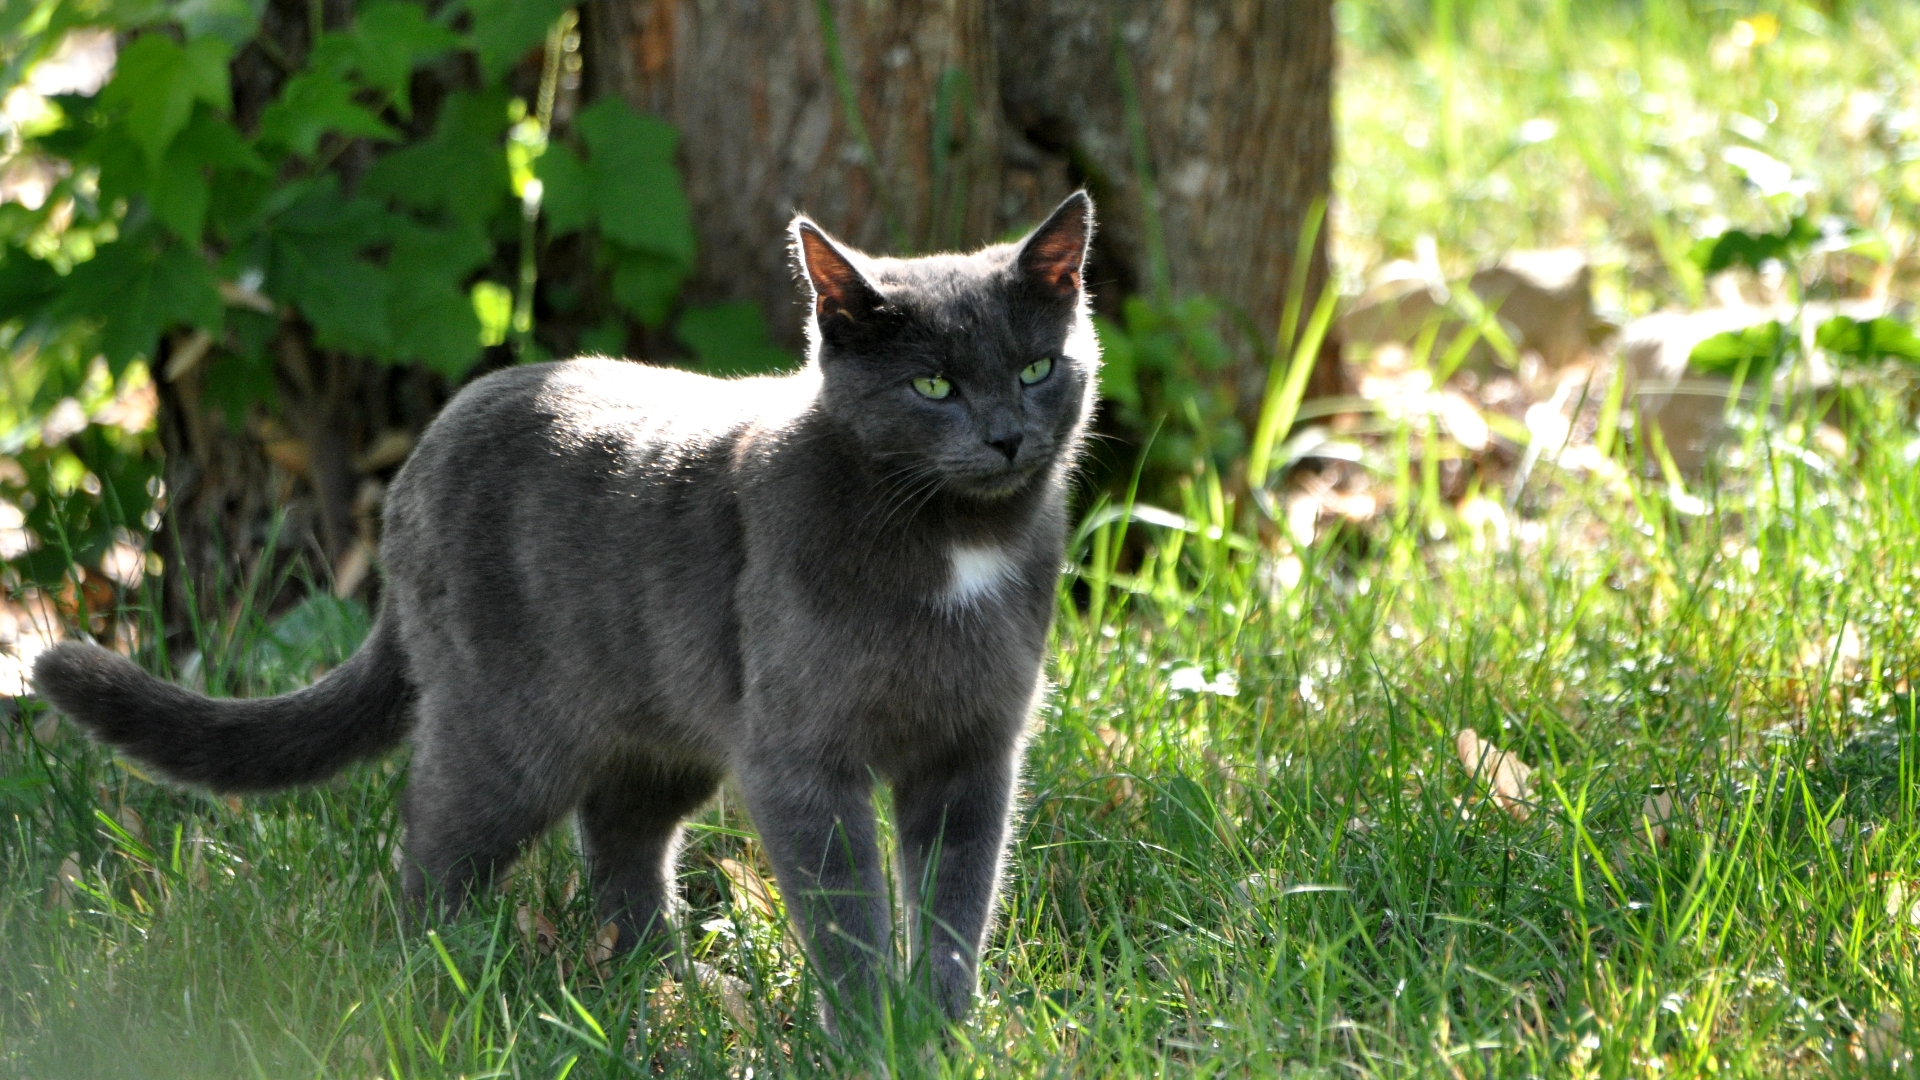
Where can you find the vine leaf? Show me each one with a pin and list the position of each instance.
(232, 21)
(391, 39)
(460, 170)
(1868, 339)
(503, 30)
(637, 189)
(157, 81)
(138, 289)
(314, 103)
(732, 339)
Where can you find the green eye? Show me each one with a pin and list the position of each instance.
(935, 388)
(1036, 371)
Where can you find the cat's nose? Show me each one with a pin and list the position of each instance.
(1008, 444)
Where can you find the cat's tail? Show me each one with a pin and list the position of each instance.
(357, 710)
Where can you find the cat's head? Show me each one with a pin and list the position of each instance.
(973, 371)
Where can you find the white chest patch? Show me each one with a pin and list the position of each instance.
(978, 572)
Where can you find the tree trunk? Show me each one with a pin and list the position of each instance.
(1203, 127)
(1202, 185)
(903, 156)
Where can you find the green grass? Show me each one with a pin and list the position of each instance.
(1300, 875)
(1633, 107)
(1715, 870)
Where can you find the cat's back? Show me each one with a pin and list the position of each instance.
(607, 404)
(580, 518)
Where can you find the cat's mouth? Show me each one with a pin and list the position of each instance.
(997, 483)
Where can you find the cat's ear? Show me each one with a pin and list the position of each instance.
(839, 289)
(1053, 256)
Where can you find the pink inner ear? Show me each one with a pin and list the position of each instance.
(834, 279)
(1055, 256)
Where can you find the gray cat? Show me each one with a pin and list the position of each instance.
(609, 586)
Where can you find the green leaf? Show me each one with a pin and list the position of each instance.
(232, 21)
(138, 289)
(731, 339)
(27, 286)
(433, 323)
(503, 30)
(461, 170)
(313, 103)
(1868, 339)
(638, 193)
(1736, 247)
(315, 263)
(215, 143)
(343, 295)
(393, 38)
(567, 198)
(1759, 348)
(451, 252)
(646, 284)
(179, 194)
(157, 81)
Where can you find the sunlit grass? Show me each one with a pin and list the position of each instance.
(1500, 124)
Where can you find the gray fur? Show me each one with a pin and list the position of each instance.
(610, 586)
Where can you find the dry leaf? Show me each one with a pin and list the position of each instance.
(732, 990)
(1501, 770)
(1122, 794)
(750, 891)
(47, 728)
(537, 930)
(1900, 897)
(234, 804)
(1655, 812)
(571, 889)
(601, 951)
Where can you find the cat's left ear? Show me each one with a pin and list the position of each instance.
(1053, 256)
(837, 285)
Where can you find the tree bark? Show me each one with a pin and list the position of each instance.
(1202, 183)
(1204, 129)
(902, 157)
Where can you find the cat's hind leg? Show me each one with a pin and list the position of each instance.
(630, 821)
(475, 798)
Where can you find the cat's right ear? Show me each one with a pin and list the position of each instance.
(839, 290)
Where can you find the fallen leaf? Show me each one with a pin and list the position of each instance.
(537, 930)
(1900, 897)
(601, 951)
(571, 889)
(750, 891)
(732, 990)
(1502, 771)
(47, 728)
(1655, 812)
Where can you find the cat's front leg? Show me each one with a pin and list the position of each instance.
(817, 826)
(953, 823)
